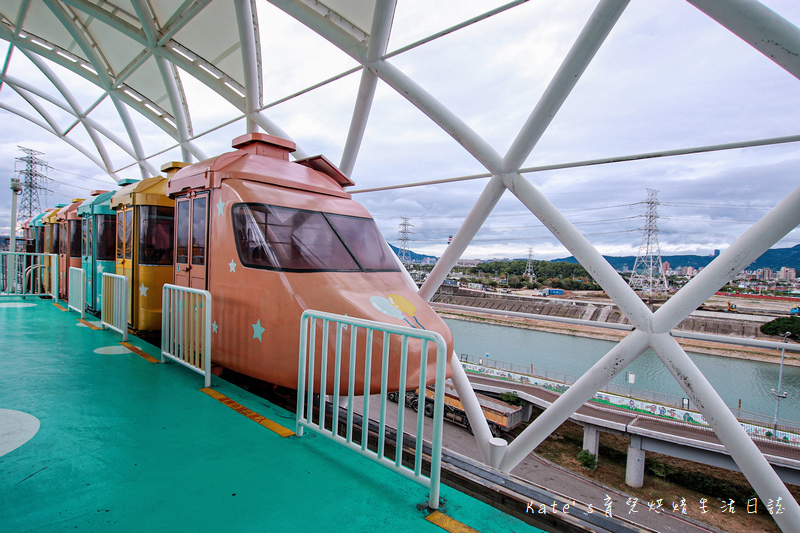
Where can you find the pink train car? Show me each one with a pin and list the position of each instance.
(270, 238)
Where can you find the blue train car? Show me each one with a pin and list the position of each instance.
(98, 231)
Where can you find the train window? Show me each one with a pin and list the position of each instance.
(86, 240)
(54, 238)
(155, 235)
(183, 233)
(365, 242)
(280, 238)
(128, 234)
(199, 230)
(105, 237)
(62, 241)
(120, 234)
(74, 238)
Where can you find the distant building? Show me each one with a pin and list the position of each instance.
(665, 265)
(469, 262)
(787, 274)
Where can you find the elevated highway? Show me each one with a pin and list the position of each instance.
(649, 433)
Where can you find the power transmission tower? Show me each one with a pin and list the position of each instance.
(529, 267)
(34, 179)
(405, 231)
(648, 271)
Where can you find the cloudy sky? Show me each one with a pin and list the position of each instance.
(668, 77)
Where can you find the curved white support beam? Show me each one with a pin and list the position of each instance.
(443, 117)
(737, 442)
(610, 365)
(466, 232)
(67, 140)
(318, 23)
(772, 227)
(74, 108)
(248, 38)
(594, 33)
(760, 27)
(100, 67)
(376, 47)
(168, 77)
(588, 256)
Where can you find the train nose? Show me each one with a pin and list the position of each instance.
(420, 357)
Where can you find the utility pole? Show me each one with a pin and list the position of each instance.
(405, 231)
(33, 177)
(529, 267)
(648, 270)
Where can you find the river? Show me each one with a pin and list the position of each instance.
(734, 379)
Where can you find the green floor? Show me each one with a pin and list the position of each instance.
(127, 445)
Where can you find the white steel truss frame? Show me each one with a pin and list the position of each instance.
(766, 31)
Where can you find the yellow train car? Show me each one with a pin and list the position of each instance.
(144, 253)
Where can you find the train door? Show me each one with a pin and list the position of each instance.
(125, 255)
(87, 259)
(191, 240)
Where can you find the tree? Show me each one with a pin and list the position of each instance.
(780, 326)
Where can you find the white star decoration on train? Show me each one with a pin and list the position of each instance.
(220, 208)
(214, 326)
(232, 264)
(257, 330)
(101, 268)
(143, 290)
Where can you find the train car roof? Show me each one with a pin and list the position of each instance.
(69, 211)
(38, 219)
(264, 159)
(50, 216)
(98, 204)
(150, 191)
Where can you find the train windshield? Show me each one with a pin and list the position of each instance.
(155, 235)
(105, 237)
(365, 242)
(282, 238)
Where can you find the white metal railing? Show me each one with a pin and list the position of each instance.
(114, 304)
(77, 290)
(186, 328)
(28, 274)
(314, 356)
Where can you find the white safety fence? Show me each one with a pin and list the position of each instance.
(186, 328)
(360, 336)
(28, 274)
(77, 290)
(114, 304)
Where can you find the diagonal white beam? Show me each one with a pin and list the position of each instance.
(759, 26)
(88, 121)
(611, 364)
(588, 256)
(580, 55)
(100, 67)
(443, 117)
(741, 447)
(75, 108)
(376, 47)
(771, 228)
(46, 127)
(572, 68)
(168, 77)
(466, 232)
(333, 33)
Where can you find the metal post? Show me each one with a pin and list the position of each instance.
(16, 189)
(779, 395)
